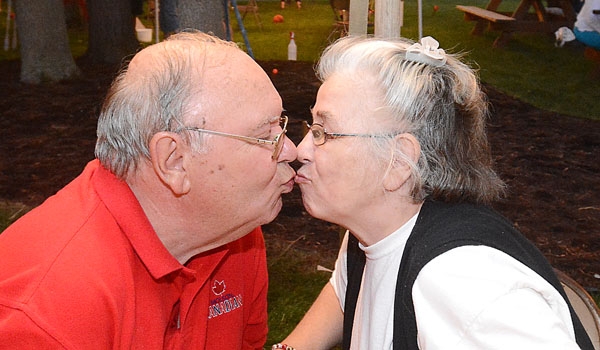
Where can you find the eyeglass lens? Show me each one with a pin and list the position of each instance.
(278, 146)
(279, 139)
(318, 133)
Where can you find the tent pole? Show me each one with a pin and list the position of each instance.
(156, 21)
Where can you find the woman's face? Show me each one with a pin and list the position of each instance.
(339, 180)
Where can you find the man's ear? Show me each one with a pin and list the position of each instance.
(399, 170)
(167, 153)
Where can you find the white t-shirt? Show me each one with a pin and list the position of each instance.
(471, 297)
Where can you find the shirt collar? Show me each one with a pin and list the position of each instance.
(129, 215)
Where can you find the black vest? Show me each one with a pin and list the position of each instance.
(439, 228)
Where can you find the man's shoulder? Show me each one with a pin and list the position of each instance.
(69, 239)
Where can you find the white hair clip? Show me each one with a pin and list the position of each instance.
(426, 51)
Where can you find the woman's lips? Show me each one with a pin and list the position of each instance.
(301, 179)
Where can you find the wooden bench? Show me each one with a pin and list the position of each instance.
(522, 19)
(474, 13)
(494, 20)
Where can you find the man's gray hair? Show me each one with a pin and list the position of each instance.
(139, 105)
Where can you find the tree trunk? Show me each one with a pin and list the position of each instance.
(44, 43)
(205, 15)
(111, 30)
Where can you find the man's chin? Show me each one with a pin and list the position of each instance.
(272, 211)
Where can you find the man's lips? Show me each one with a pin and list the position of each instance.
(289, 185)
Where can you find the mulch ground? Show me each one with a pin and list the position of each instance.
(550, 161)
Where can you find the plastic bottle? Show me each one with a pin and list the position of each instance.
(292, 50)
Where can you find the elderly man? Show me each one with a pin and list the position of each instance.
(157, 244)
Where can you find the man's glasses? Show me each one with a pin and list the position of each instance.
(320, 135)
(277, 141)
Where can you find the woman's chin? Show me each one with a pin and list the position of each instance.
(314, 212)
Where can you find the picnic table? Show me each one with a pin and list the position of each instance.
(543, 19)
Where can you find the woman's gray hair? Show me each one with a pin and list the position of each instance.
(441, 104)
(139, 105)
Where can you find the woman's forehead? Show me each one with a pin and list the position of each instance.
(344, 100)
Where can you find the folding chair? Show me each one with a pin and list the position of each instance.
(584, 305)
(341, 9)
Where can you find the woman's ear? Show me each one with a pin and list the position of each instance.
(399, 171)
(168, 152)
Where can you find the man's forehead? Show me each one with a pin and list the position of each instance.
(223, 78)
(203, 55)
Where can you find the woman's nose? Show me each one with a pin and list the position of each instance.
(304, 148)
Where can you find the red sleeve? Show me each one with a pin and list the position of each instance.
(20, 330)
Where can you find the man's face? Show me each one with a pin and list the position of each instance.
(237, 183)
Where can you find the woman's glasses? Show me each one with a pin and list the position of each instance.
(320, 135)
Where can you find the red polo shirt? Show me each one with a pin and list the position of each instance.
(85, 270)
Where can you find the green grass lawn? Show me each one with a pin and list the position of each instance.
(294, 283)
(530, 67)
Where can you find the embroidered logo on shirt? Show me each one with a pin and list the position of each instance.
(218, 287)
(224, 303)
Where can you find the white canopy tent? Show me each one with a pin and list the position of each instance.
(157, 21)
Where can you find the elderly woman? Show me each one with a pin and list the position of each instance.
(397, 153)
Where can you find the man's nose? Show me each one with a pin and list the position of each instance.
(289, 151)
